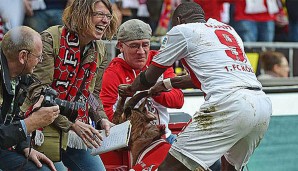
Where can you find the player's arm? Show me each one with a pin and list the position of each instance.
(173, 98)
(148, 78)
(182, 82)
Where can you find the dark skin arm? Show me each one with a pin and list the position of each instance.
(152, 74)
(181, 82)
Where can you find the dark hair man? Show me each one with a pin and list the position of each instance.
(236, 112)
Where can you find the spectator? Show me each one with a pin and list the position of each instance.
(213, 8)
(214, 56)
(22, 49)
(15, 17)
(293, 19)
(274, 64)
(255, 20)
(74, 60)
(41, 14)
(134, 44)
(154, 9)
(129, 9)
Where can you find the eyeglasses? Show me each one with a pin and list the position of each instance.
(39, 57)
(136, 46)
(101, 15)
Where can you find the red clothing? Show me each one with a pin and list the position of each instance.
(212, 8)
(240, 13)
(119, 72)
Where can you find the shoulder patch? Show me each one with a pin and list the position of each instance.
(163, 41)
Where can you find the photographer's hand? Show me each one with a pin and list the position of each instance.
(37, 157)
(89, 135)
(41, 117)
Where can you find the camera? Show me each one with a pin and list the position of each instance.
(67, 108)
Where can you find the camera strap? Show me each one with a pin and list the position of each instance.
(93, 102)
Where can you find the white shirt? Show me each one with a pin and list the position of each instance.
(213, 54)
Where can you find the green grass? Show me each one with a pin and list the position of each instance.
(278, 150)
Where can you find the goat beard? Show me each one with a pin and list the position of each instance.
(143, 134)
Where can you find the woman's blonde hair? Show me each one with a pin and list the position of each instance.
(78, 16)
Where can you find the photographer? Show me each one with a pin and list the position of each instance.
(21, 51)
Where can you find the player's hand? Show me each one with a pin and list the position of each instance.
(125, 90)
(39, 158)
(157, 89)
(89, 135)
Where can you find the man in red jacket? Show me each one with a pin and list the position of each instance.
(255, 20)
(134, 44)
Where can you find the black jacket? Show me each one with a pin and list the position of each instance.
(10, 134)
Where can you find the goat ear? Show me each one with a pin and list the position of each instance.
(127, 111)
(134, 100)
(130, 104)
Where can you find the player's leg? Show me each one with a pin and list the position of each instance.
(258, 111)
(171, 163)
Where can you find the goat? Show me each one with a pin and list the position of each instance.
(143, 132)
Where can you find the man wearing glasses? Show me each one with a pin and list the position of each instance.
(134, 44)
(20, 53)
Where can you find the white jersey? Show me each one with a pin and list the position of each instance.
(213, 54)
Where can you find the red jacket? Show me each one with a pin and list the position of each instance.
(119, 72)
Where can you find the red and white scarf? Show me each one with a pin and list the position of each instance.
(72, 76)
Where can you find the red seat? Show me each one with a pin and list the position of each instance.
(116, 168)
(116, 160)
(177, 127)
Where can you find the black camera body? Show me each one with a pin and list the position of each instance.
(67, 108)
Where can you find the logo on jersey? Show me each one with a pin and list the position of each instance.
(128, 80)
(164, 41)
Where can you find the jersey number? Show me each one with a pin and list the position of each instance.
(229, 40)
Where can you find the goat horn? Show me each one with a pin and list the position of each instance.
(119, 110)
(130, 104)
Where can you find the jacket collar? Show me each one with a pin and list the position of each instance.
(5, 74)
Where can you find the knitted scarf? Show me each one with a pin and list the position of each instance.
(72, 76)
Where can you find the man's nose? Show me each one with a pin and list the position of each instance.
(141, 49)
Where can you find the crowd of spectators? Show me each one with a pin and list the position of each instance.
(261, 21)
(264, 21)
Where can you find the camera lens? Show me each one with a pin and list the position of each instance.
(69, 109)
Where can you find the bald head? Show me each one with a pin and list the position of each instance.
(17, 39)
(188, 12)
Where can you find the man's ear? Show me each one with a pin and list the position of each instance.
(22, 56)
(176, 21)
(119, 46)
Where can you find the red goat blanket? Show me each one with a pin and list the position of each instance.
(153, 156)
